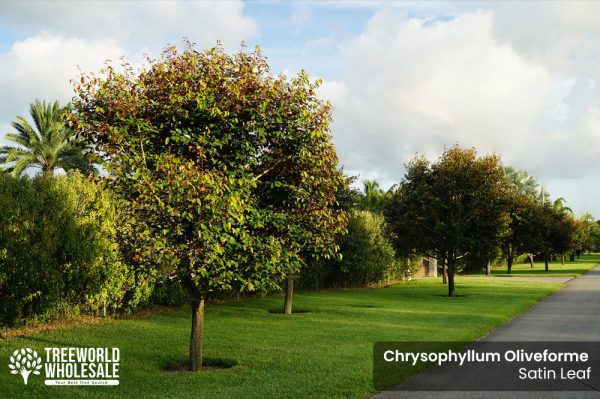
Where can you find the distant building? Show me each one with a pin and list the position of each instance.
(428, 268)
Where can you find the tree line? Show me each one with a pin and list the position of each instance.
(465, 210)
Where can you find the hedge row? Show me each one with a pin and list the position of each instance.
(59, 250)
(63, 252)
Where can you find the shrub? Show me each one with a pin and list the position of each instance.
(367, 257)
(59, 253)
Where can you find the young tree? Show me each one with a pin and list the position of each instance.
(523, 233)
(557, 232)
(595, 236)
(230, 170)
(48, 146)
(450, 208)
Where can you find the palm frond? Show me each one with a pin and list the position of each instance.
(49, 145)
(23, 163)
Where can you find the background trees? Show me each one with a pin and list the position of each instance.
(48, 145)
(524, 231)
(230, 169)
(595, 236)
(450, 208)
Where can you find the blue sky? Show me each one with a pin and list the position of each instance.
(403, 77)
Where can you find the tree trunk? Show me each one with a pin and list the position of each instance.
(451, 290)
(531, 260)
(289, 295)
(572, 257)
(445, 273)
(47, 170)
(509, 263)
(546, 262)
(196, 335)
(488, 267)
(563, 259)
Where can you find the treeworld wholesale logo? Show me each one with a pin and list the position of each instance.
(69, 366)
(25, 362)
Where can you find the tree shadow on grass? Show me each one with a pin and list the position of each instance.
(295, 311)
(208, 364)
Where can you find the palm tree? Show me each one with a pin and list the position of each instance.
(560, 207)
(51, 145)
(372, 196)
(522, 182)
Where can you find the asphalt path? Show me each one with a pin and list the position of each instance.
(571, 314)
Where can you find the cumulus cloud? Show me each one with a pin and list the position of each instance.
(417, 86)
(153, 23)
(563, 35)
(412, 86)
(42, 67)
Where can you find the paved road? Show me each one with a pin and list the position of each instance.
(551, 279)
(571, 314)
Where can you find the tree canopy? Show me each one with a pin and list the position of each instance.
(449, 208)
(230, 169)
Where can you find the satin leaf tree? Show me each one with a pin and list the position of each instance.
(230, 170)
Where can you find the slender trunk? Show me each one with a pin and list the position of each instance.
(531, 260)
(509, 257)
(563, 259)
(572, 257)
(445, 273)
(451, 290)
(546, 258)
(47, 170)
(196, 335)
(488, 267)
(289, 295)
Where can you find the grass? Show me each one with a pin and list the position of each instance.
(324, 352)
(555, 269)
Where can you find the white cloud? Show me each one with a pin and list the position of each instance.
(42, 67)
(415, 87)
(154, 23)
(564, 35)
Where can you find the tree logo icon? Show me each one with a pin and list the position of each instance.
(25, 362)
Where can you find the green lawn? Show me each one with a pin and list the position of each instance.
(579, 266)
(324, 352)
